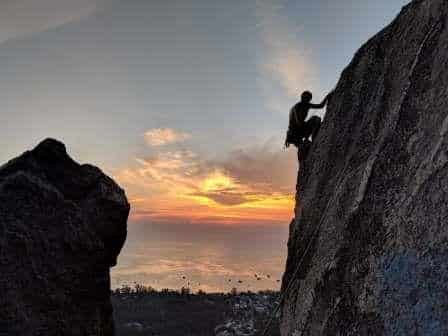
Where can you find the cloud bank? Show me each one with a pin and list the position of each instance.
(250, 184)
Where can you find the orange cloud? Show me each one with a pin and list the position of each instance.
(163, 136)
(255, 185)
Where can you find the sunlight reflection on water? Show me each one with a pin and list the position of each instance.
(208, 257)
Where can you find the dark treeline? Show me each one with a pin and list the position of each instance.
(141, 309)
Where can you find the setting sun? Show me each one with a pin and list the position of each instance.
(217, 181)
(173, 186)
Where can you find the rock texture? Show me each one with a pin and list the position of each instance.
(372, 203)
(62, 226)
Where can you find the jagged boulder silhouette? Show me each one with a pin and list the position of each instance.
(62, 226)
(373, 193)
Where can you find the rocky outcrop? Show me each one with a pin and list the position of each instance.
(368, 248)
(62, 226)
(248, 310)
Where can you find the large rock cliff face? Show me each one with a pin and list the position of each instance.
(62, 226)
(368, 249)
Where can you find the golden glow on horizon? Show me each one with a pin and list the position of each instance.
(181, 187)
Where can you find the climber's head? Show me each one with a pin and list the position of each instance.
(307, 96)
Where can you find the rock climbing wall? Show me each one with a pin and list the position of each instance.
(368, 249)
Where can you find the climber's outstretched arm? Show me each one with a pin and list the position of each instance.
(323, 103)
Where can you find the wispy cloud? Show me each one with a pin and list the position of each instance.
(163, 136)
(23, 17)
(286, 62)
(251, 184)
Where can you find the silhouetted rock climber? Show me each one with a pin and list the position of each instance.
(299, 130)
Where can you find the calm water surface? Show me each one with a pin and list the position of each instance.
(208, 257)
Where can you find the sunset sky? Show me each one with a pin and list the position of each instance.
(184, 103)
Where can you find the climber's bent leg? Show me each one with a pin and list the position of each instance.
(312, 127)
